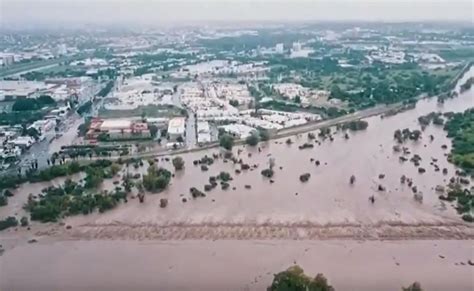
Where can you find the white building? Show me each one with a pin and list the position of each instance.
(279, 48)
(23, 142)
(44, 127)
(204, 132)
(176, 127)
(23, 89)
(7, 59)
(290, 90)
(238, 130)
(296, 46)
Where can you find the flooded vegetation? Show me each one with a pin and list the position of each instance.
(301, 180)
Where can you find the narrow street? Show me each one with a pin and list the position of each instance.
(191, 140)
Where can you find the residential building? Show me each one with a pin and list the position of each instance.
(279, 48)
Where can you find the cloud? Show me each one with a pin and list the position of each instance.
(143, 12)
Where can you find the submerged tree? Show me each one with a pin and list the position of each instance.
(226, 141)
(178, 163)
(413, 287)
(294, 279)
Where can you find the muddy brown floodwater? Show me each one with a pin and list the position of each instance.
(326, 199)
(326, 214)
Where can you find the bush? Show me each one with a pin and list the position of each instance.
(8, 222)
(267, 173)
(356, 125)
(3, 200)
(468, 218)
(305, 177)
(196, 193)
(413, 287)
(94, 177)
(24, 221)
(224, 176)
(49, 211)
(234, 103)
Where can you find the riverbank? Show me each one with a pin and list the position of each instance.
(235, 265)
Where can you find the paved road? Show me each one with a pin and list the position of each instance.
(191, 140)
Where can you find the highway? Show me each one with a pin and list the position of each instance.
(18, 69)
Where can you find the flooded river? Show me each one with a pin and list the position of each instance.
(328, 197)
(234, 265)
(248, 223)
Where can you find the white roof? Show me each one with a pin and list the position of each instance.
(23, 140)
(109, 124)
(176, 125)
(203, 126)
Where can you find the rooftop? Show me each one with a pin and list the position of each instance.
(108, 124)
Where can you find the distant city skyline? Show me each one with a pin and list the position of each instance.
(143, 12)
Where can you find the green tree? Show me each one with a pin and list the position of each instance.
(226, 141)
(33, 132)
(156, 179)
(114, 169)
(25, 104)
(46, 100)
(234, 103)
(264, 134)
(94, 177)
(294, 279)
(178, 163)
(3, 200)
(252, 139)
(153, 130)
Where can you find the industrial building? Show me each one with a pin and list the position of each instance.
(116, 129)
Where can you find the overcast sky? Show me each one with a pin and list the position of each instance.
(149, 12)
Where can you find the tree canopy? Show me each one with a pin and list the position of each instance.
(226, 141)
(29, 104)
(294, 279)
